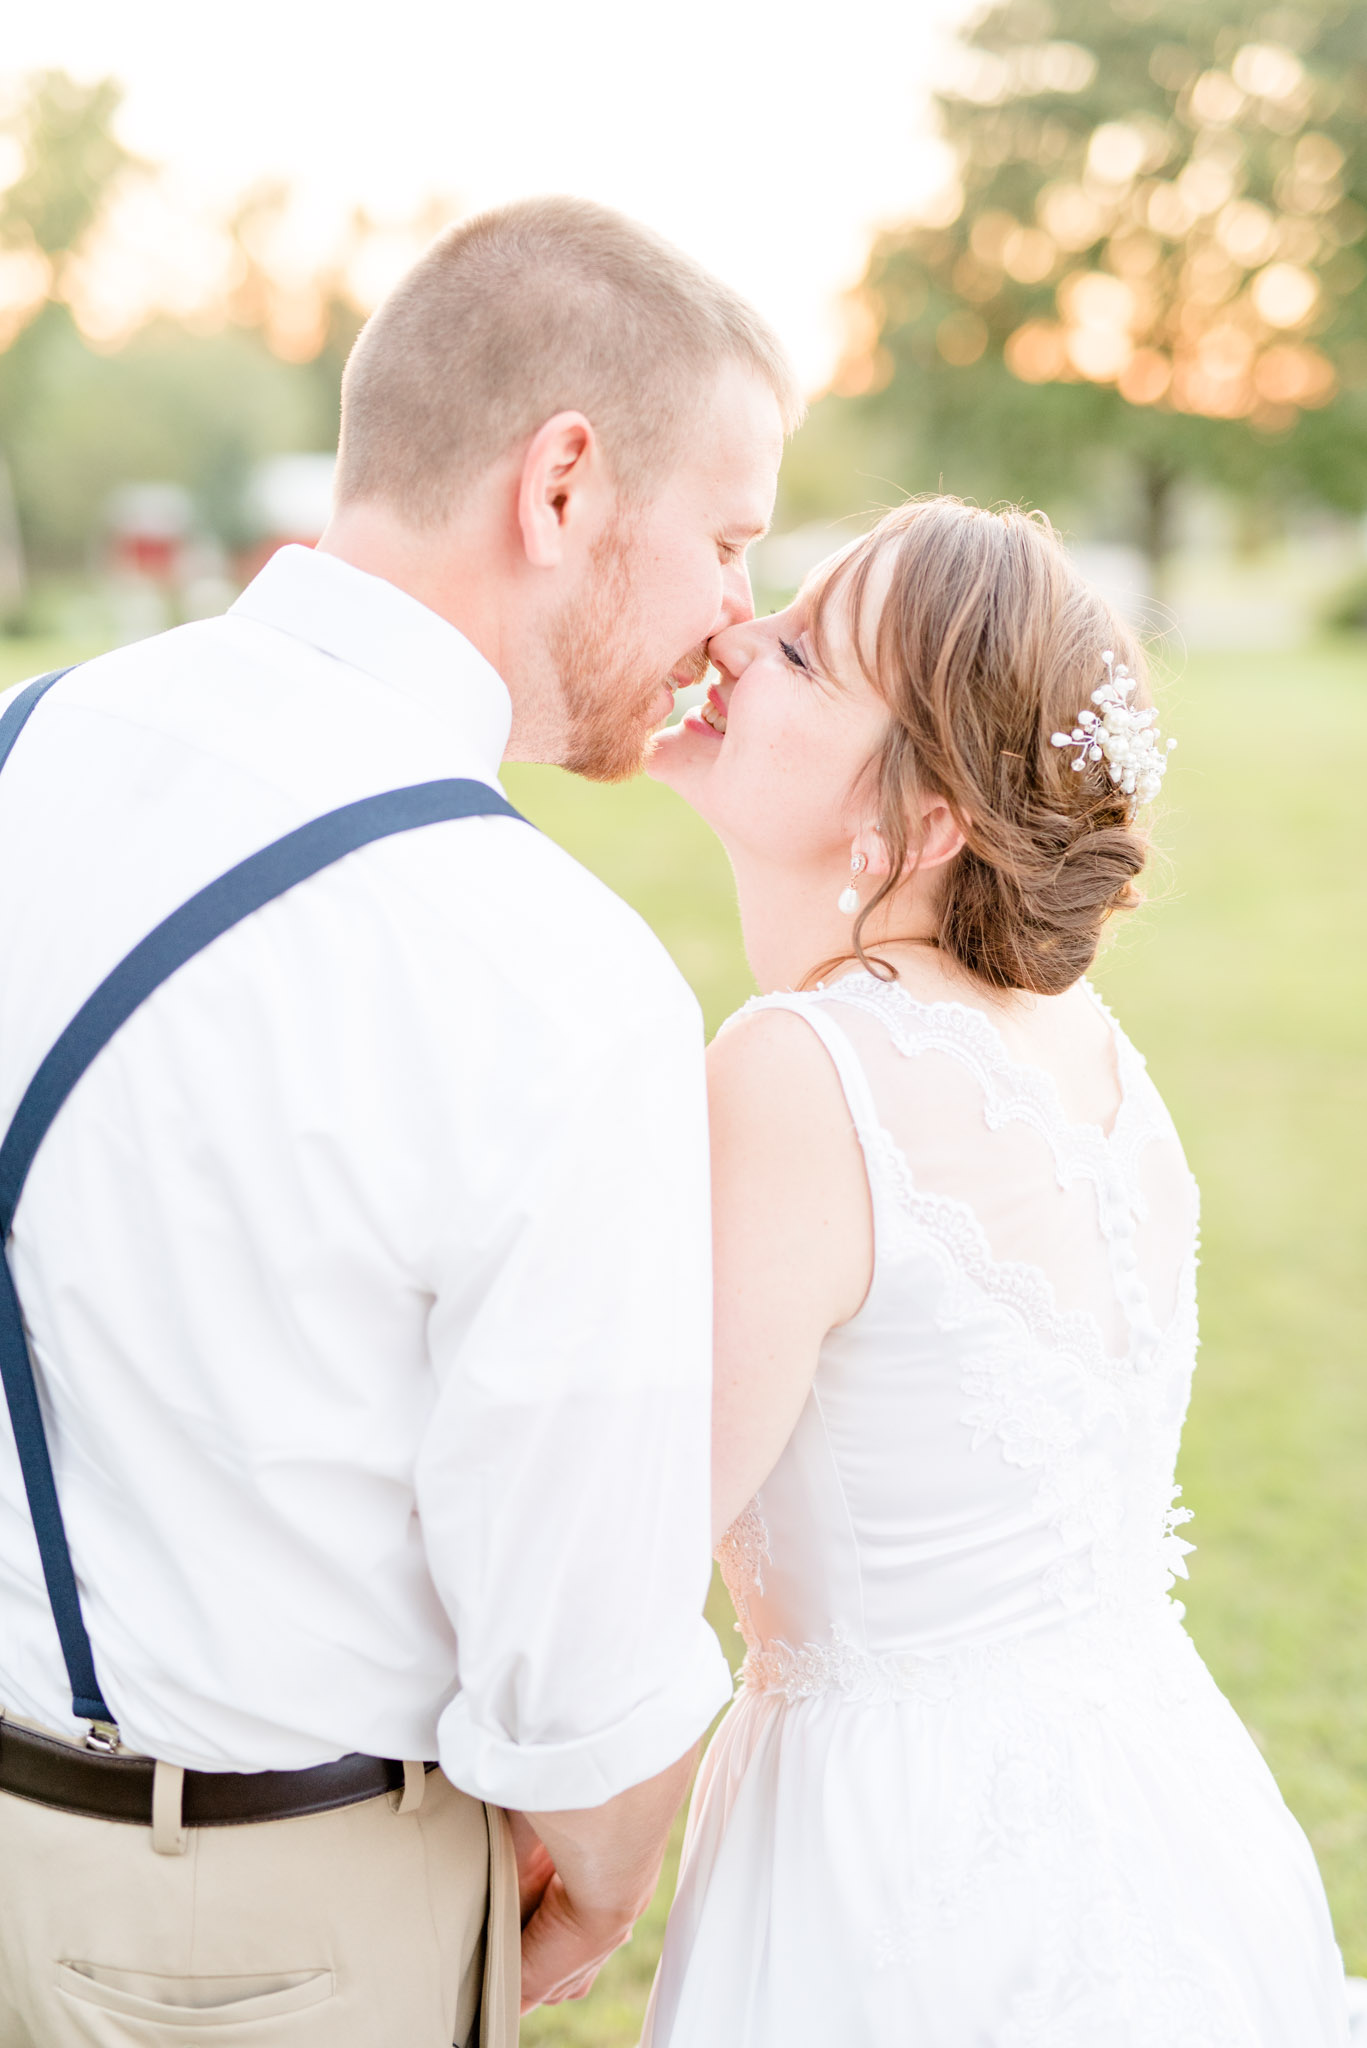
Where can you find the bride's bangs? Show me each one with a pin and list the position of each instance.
(844, 577)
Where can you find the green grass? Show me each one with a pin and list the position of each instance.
(1247, 988)
(1245, 982)
(22, 658)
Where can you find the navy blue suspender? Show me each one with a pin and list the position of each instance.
(187, 931)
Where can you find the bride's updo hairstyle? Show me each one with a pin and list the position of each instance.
(987, 642)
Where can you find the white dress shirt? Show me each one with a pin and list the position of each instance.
(367, 1268)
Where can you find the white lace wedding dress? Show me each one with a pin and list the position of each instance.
(978, 1790)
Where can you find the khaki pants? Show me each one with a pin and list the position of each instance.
(361, 1928)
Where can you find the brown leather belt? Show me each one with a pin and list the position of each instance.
(111, 1787)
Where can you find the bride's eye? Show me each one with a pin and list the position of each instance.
(791, 654)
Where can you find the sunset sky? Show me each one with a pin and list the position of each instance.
(769, 137)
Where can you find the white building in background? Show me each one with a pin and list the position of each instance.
(289, 498)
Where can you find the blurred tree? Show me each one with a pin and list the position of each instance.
(169, 407)
(197, 408)
(1146, 271)
(72, 163)
(311, 322)
(198, 404)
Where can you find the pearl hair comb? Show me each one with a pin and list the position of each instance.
(1121, 735)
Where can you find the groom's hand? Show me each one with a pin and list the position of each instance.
(607, 1863)
(534, 1866)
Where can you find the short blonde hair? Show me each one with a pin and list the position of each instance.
(549, 305)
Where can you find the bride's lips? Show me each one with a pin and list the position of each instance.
(710, 716)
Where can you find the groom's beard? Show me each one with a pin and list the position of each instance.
(611, 701)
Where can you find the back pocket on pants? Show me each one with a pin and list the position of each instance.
(189, 2003)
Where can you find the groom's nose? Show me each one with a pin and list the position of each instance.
(738, 600)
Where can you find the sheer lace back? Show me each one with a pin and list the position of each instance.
(989, 1445)
(1105, 1218)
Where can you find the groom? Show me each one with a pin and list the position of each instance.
(365, 1267)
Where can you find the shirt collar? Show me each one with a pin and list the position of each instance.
(374, 626)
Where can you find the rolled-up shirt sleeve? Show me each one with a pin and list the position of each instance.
(563, 1482)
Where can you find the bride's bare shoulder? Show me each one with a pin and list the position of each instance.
(791, 1201)
(773, 1052)
(773, 1085)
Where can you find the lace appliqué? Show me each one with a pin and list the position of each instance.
(1013, 1090)
(742, 1555)
(815, 1668)
(1088, 1664)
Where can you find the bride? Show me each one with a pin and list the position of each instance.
(978, 1790)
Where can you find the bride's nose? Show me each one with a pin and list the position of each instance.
(733, 649)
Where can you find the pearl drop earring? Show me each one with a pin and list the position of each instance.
(848, 899)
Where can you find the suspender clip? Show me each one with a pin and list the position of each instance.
(104, 1738)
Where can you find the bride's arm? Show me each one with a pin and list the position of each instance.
(793, 1238)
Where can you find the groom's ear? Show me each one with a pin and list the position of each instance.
(562, 478)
